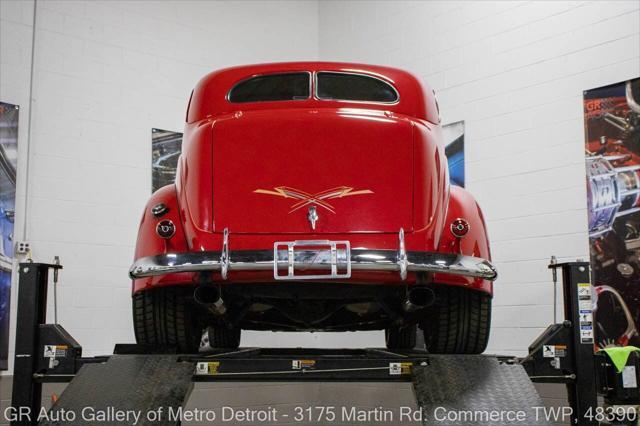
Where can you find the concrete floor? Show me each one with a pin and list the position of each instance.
(289, 398)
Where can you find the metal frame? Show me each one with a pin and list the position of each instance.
(312, 255)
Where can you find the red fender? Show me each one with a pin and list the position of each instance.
(475, 243)
(149, 243)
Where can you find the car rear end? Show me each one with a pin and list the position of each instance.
(317, 216)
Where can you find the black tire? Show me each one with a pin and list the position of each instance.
(166, 317)
(459, 322)
(401, 338)
(221, 337)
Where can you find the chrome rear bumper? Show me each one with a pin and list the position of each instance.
(313, 260)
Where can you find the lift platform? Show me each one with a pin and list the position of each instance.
(141, 379)
(144, 383)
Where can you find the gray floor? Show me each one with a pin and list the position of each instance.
(290, 398)
(285, 397)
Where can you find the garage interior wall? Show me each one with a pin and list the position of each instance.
(105, 73)
(515, 73)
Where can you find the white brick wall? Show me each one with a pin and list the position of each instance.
(105, 74)
(515, 72)
(16, 24)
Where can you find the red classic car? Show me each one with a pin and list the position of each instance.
(312, 196)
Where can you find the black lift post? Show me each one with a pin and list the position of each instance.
(583, 391)
(32, 312)
(564, 353)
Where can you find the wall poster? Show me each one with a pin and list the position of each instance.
(453, 136)
(612, 147)
(165, 150)
(8, 164)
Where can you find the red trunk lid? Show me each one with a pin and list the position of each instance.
(271, 167)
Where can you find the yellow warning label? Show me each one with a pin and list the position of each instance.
(207, 368)
(399, 368)
(213, 367)
(302, 364)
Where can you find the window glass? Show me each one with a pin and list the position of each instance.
(273, 87)
(354, 87)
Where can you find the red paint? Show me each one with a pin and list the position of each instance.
(390, 156)
(475, 243)
(312, 151)
(209, 95)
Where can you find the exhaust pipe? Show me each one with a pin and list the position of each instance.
(418, 298)
(209, 296)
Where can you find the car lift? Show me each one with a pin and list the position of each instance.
(143, 379)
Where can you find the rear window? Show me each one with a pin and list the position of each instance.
(354, 87)
(272, 87)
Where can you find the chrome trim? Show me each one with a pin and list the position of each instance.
(224, 255)
(313, 217)
(402, 256)
(361, 260)
(159, 210)
(315, 88)
(312, 259)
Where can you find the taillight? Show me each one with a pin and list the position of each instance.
(165, 229)
(459, 228)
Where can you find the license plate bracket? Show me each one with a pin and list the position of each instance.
(310, 255)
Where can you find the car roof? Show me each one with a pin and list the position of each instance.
(209, 97)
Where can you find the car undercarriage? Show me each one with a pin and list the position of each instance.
(315, 306)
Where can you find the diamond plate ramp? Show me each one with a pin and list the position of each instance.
(475, 390)
(127, 384)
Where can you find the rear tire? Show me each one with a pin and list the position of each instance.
(166, 317)
(401, 338)
(459, 322)
(221, 337)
